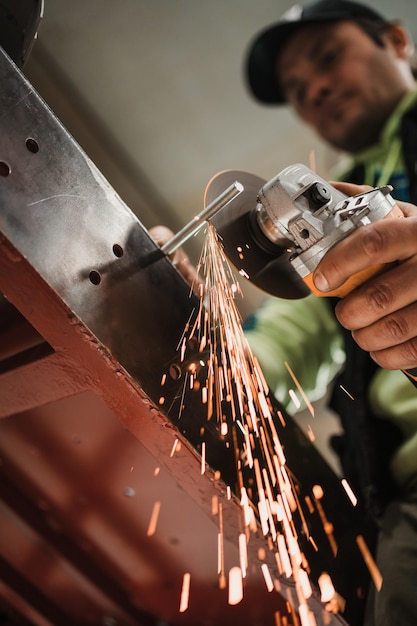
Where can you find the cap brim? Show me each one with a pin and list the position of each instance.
(262, 57)
(261, 68)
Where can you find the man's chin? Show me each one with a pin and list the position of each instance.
(352, 138)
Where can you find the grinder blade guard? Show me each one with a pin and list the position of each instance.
(277, 232)
(263, 263)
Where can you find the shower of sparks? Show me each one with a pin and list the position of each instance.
(236, 397)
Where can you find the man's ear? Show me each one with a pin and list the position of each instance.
(399, 40)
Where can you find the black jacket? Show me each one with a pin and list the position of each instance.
(368, 443)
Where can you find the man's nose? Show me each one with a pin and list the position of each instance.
(319, 87)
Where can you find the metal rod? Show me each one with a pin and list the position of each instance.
(197, 222)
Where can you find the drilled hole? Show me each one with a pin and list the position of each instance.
(175, 371)
(95, 277)
(32, 145)
(305, 234)
(118, 250)
(4, 168)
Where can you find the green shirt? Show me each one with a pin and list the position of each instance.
(305, 334)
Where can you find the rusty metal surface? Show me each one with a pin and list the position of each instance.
(90, 322)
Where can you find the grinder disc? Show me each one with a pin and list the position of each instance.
(269, 270)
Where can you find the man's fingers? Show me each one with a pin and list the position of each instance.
(390, 291)
(381, 242)
(162, 234)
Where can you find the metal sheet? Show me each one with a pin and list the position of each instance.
(104, 311)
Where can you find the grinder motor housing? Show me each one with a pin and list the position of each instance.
(302, 212)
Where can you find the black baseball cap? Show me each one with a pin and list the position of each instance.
(261, 60)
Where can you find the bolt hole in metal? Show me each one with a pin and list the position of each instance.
(305, 234)
(32, 145)
(95, 277)
(175, 371)
(118, 250)
(5, 169)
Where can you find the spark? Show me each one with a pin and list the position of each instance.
(300, 389)
(346, 392)
(243, 554)
(154, 519)
(369, 562)
(267, 577)
(294, 398)
(220, 569)
(306, 616)
(235, 586)
(224, 428)
(176, 446)
(326, 587)
(349, 492)
(278, 621)
(203, 458)
(305, 583)
(311, 434)
(327, 526)
(284, 557)
(214, 505)
(185, 592)
(281, 418)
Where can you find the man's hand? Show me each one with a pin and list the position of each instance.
(381, 313)
(162, 234)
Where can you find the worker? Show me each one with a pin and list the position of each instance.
(348, 73)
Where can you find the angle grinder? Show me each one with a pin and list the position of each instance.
(275, 233)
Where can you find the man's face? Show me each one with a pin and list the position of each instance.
(341, 83)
